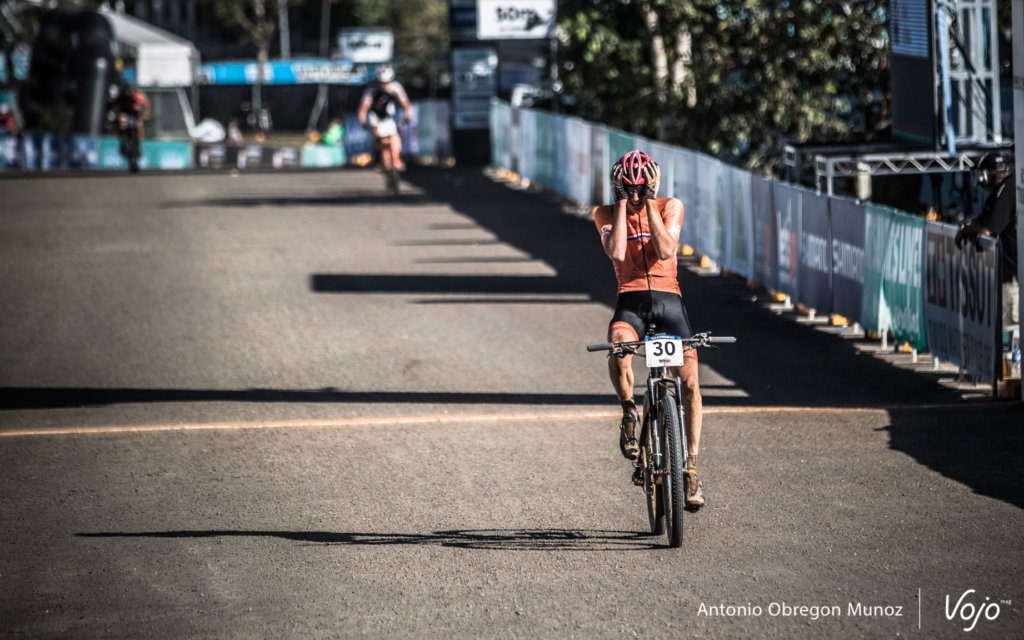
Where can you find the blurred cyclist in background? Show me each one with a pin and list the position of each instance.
(378, 106)
(131, 102)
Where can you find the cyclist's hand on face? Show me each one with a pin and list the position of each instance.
(652, 179)
(618, 193)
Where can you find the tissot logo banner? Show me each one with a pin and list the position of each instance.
(514, 19)
(763, 213)
(815, 256)
(961, 330)
(846, 223)
(787, 238)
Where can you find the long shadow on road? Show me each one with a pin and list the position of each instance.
(16, 398)
(492, 539)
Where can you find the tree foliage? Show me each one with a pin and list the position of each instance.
(258, 21)
(736, 78)
(420, 28)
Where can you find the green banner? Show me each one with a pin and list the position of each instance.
(156, 154)
(901, 280)
(877, 225)
(322, 155)
(547, 150)
(427, 122)
(619, 144)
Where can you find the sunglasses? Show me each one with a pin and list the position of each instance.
(631, 189)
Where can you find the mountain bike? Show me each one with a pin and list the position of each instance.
(384, 131)
(663, 448)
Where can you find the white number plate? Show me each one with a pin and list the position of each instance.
(664, 351)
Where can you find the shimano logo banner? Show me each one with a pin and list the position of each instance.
(846, 223)
(815, 256)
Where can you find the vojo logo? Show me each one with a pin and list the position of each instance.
(969, 613)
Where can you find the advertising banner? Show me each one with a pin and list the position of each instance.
(577, 167)
(320, 155)
(366, 44)
(546, 158)
(762, 208)
(9, 156)
(877, 225)
(901, 280)
(964, 333)
(619, 144)
(663, 154)
(1017, 18)
(846, 220)
(357, 140)
(156, 154)
(710, 192)
(787, 238)
(514, 140)
(684, 167)
(815, 254)
(563, 176)
(497, 131)
(426, 121)
(600, 166)
(474, 83)
(442, 130)
(515, 19)
(527, 168)
(739, 238)
(310, 71)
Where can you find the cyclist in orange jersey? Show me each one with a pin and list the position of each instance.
(640, 233)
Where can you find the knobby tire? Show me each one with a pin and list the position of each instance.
(673, 485)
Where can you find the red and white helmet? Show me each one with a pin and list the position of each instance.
(633, 164)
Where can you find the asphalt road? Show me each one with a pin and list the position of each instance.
(287, 405)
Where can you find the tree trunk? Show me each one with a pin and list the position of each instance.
(658, 57)
(682, 76)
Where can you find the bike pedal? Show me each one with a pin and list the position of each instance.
(638, 477)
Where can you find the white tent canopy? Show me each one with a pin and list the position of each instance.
(162, 59)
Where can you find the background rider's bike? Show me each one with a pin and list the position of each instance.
(384, 131)
(130, 148)
(662, 462)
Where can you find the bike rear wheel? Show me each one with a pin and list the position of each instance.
(652, 488)
(673, 484)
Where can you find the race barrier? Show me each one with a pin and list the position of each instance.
(870, 264)
(426, 136)
(57, 152)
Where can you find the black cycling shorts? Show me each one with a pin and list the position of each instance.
(660, 310)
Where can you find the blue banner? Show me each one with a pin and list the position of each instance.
(313, 71)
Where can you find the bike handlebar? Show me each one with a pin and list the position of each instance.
(699, 340)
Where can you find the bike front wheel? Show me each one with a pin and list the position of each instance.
(673, 484)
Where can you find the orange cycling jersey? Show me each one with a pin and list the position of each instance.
(641, 257)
